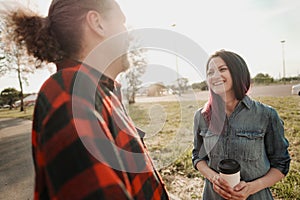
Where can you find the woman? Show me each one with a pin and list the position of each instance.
(233, 126)
(84, 144)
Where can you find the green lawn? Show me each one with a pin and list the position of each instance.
(169, 136)
(15, 113)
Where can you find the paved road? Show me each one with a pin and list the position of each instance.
(271, 90)
(16, 166)
(255, 91)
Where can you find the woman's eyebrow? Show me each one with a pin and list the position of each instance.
(216, 67)
(221, 65)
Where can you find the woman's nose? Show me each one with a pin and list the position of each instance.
(215, 74)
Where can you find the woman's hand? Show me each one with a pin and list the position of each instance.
(240, 192)
(222, 187)
(244, 189)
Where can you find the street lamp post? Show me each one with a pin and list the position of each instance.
(179, 89)
(283, 61)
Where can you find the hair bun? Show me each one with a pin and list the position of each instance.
(34, 31)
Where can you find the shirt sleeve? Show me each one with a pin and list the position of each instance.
(198, 152)
(276, 144)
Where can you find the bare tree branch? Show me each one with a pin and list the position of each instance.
(14, 56)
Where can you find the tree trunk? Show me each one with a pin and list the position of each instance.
(21, 87)
(132, 98)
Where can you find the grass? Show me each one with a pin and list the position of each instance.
(168, 128)
(16, 113)
(169, 136)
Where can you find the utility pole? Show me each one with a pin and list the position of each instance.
(176, 57)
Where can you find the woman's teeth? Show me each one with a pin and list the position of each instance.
(218, 83)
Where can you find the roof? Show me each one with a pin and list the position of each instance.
(31, 97)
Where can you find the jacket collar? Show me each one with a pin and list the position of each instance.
(247, 101)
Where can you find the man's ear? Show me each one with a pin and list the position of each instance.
(95, 22)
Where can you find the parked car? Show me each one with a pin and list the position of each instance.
(6, 106)
(296, 89)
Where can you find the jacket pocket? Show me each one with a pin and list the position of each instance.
(212, 143)
(249, 144)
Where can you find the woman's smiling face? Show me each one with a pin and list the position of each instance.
(218, 77)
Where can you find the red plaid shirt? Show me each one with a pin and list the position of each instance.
(84, 144)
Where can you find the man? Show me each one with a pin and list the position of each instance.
(84, 144)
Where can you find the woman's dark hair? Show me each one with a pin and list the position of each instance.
(57, 36)
(214, 110)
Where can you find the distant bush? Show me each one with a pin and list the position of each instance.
(201, 86)
(263, 79)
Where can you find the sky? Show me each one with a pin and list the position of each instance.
(252, 28)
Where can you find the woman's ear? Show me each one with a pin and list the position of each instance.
(95, 22)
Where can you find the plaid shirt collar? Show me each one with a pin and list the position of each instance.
(103, 79)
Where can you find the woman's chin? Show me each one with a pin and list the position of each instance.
(220, 90)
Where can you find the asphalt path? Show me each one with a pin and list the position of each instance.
(16, 165)
(255, 91)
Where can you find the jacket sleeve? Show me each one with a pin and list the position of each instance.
(198, 152)
(276, 143)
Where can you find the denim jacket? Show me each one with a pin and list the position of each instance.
(253, 135)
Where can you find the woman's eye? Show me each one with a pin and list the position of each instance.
(210, 73)
(223, 69)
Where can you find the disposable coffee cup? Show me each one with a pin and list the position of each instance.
(229, 170)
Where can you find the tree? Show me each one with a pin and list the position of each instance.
(261, 78)
(10, 95)
(202, 86)
(183, 84)
(14, 57)
(137, 62)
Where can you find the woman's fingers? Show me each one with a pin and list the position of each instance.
(224, 184)
(221, 192)
(240, 186)
(241, 191)
(222, 187)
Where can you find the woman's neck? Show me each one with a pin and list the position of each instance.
(230, 103)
